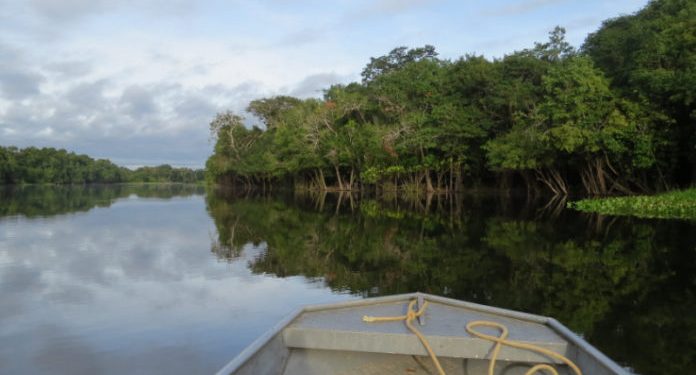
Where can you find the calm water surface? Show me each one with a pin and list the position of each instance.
(167, 279)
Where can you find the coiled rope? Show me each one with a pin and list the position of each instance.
(502, 340)
(498, 340)
(408, 318)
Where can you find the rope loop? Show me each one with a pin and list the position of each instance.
(499, 341)
(502, 340)
(408, 318)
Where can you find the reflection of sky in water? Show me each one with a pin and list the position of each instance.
(132, 288)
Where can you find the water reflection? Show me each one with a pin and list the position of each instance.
(33, 201)
(130, 285)
(131, 288)
(627, 285)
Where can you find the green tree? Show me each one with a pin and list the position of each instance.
(650, 57)
(395, 60)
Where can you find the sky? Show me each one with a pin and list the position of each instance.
(138, 81)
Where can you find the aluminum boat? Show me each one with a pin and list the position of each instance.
(345, 338)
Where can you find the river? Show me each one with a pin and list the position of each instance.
(173, 279)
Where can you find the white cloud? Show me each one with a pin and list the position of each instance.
(315, 84)
(521, 7)
(18, 80)
(65, 11)
(398, 6)
(45, 132)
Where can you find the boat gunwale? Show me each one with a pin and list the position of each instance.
(248, 353)
(253, 348)
(578, 341)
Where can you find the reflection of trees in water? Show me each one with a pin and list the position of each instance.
(535, 257)
(46, 200)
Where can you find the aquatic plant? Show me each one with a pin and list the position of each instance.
(679, 204)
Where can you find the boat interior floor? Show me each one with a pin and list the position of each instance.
(333, 362)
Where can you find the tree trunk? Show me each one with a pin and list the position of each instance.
(451, 180)
(559, 180)
(600, 178)
(338, 178)
(599, 174)
(552, 178)
(352, 178)
(338, 204)
(321, 180)
(459, 183)
(531, 190)
(428, 181)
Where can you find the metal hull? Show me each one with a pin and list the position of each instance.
(333, 339)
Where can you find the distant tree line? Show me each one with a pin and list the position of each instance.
(33, 165)
(616, 116)
(167, 173)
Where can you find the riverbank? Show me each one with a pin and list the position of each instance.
(671, 205)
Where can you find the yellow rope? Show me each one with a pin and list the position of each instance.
(498, 340)
(502, 340)
(408, 318)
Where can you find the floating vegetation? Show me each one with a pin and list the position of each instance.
(672, 205)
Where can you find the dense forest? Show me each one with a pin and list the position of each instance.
(33, 165)
(617, 116)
